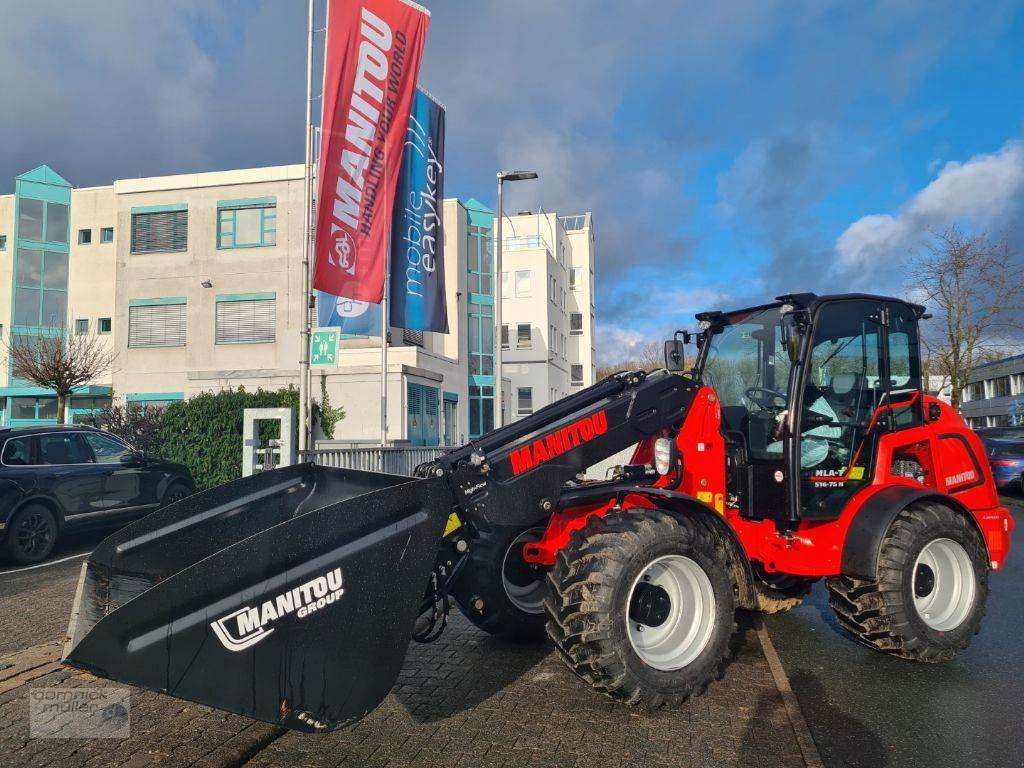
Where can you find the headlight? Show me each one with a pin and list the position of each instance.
(664, 455)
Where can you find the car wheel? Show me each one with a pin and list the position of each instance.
(176, 492)
(31, 535)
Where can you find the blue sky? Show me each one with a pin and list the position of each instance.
(729, 151)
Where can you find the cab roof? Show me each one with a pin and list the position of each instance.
(811, 301)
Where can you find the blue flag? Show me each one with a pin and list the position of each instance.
(417, 243)
(354, 318)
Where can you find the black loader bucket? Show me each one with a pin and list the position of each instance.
(289, 596)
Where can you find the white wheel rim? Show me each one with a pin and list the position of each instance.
(527, 597)
(686, 629)
(943, 584)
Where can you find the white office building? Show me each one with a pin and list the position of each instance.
(547, 308)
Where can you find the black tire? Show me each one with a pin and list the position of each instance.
(176, 491)
(777, 593)
(588, 609)
(31, 535)
(481, 589)
(883, 615)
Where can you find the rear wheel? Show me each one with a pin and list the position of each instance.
(31, 535)
(498, 590)
(640, 605)
(929, 598)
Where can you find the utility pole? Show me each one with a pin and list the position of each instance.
(503, 176)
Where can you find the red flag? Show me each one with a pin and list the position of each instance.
(374, 48)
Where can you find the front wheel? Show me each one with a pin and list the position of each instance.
(929, 598)
(640, 605)
(498, 590)
(176, 492)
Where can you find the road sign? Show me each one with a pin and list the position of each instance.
(323, 352)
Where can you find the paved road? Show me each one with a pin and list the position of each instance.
(466, 700)
(868, 709)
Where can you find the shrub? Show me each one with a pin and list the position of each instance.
(205, 432)
(136, 425)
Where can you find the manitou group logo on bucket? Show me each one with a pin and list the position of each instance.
(247, 626)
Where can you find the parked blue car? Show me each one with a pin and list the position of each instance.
(1006, 456)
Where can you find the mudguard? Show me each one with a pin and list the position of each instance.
(288, 597)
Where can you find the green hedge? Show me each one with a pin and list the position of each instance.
(205, 432)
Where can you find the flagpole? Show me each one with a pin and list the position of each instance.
(304, 421)
(385, 327)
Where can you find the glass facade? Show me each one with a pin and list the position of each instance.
(40, 246)
(480, 318)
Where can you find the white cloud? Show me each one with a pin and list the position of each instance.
(986, 193)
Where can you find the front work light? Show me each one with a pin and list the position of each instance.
(665, 455)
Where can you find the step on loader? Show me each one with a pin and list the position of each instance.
(798, 446)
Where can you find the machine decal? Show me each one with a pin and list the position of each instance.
(247, 626)
(558, 442)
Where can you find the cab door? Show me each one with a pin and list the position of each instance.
(842, 387)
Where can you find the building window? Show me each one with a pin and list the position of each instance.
(3, 242)
(523, 340)
(157, 323)
(1001, 387)
(576, 374)
(480, 335)
(107, 235)
(504, 284)
(38, 220)
(155, 401)
(976, 391)
(84, 236)
(481, 410)
(479, 261)
(524, 401)
(40, 292)
(33, 408)
(159, 231)
(553, 340)
(412, 336)
(247, 225)
(504, 336)
(523, 282)
(103, 325)
(81, 327)
(575, 323)
(246, 320)
(576, 279)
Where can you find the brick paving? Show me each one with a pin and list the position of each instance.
(466, 700)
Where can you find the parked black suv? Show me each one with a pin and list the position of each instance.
(59, 478)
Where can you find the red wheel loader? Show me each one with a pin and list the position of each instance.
(798, 446)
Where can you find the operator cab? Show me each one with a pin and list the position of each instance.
(800, 383)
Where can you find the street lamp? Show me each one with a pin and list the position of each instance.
(503, 176)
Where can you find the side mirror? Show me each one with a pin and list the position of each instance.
(674, 355)
(133, 459)
(791, 336)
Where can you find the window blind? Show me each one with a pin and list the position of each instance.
(161, 325)
(246, 322)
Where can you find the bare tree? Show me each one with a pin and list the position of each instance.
(968, 284)
(60, 362)
(649, 357)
